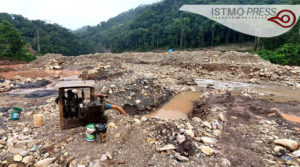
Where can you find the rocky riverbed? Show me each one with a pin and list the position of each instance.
(247, 112)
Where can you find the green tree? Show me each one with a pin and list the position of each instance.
(181, 26)
(11, 43)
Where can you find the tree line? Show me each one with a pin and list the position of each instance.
(157, 26)
(45, 38)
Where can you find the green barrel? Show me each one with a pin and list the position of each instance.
(15, 114)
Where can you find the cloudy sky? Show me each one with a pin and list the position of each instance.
(71, 14)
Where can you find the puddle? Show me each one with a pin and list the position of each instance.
(178, 107)
(275, 93)
(280, 94)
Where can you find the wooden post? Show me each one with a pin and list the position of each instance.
(61, 93)
(92, 94)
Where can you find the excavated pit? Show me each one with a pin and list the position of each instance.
(178, 107)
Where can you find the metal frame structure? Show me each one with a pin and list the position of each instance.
(62, 86)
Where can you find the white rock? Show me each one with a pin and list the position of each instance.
(166, 147)
(45, 162)
(111, 125)
(56, 67)
(207, 124)
(18, 158)
(217, 132)
(27, 160)
(193, 89)
(184, 89)
(113, 86)
(103, 157)
(278, 148)
(25, 130)
(196, 119)
(190, 133)
(222, 117)
(253, 80)
(180, 138)
(108, 154)
(225, 162)
(288, 143)
(138, 101)
(207, 150)
(208, 140)
(104, 90)
(137, 121)
(20, 151)
(181, 158)
(143, 119)
(73, 163)
(189, 125)
(296, 153)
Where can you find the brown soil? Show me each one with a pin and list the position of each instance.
(10, 71)
(240, 139)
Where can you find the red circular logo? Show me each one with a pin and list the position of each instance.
(284, 18)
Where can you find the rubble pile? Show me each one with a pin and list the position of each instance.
(208, 64)
(6, 85)
(104, 70)
(49, 62)
(228, 126)
(22, 83)
(142, 95)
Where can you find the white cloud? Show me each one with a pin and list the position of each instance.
(71, 14)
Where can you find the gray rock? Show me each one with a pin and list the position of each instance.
(225, 162)
(181, 158)
(45, 162)
(274, 77)
(166, 147)
(208, 140)
(296, 153)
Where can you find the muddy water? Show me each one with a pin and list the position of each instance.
(178, 107)
(281, 94)
(276, 93)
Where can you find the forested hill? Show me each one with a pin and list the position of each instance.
(157, 26)
(47, 38)
(162, 25)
